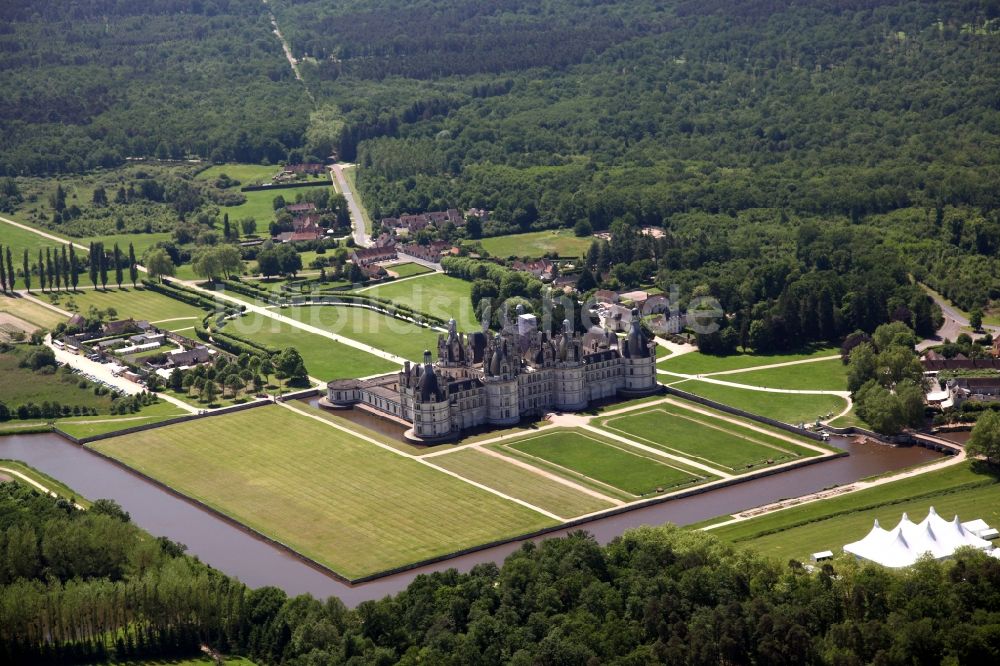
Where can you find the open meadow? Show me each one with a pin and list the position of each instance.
(372, 328)
(437, 295)
(615, 466)
(963, 489)
(325, 359)
(20, 386)
(710, 439)
(260, 203)
(19, 240)
(342, 501)
(538, 243)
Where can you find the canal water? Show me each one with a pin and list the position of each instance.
(256, 562)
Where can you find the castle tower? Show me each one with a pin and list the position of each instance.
(639, 361)
(570, 390)
(431, 409)
(500, 368)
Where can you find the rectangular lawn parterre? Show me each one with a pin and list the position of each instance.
(705, 438)
(325, 359)
(381, 331)
(437, 295)
(516, 481)
(633, 472)
(344, 502)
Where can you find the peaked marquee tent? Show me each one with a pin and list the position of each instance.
(908, 541)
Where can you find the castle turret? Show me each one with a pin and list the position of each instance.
(431, 409)
(639, 360)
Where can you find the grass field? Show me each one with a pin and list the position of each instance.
(344, 502)
(820, 376)
(705, 438)
(58, 487)
(521, 483)
(99, 425)
(696, 363)
(788, 407)
(260, 204)
(538, 243)
(325, 359)
(438, 295)
(22, 385)
(662, 353)
(31, 312)
(372, 328)
(829, 524)
(128, 302)
(633, 472)
(407, 269)
(141, 242)
(18, 239)
(247, 174)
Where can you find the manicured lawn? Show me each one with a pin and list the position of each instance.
(538, 243)
(438, 295)
(137, 303)
(791, 408)
(829, 524)
(325, 359)
(140, 242)
(247, 174)
(662, 353)
(372, 328)
(407, 269)
(820, 376)
(696, 363)
(632, 472)
(344, 502)
(704, 438)
(31, 312)
(19, 386)
(519, 482)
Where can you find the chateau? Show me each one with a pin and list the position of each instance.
(498, 379)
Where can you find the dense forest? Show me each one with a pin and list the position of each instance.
(82, 586)
(92, 83)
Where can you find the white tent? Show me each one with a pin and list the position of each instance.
(908, 541)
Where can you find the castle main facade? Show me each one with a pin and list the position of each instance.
(498, 379)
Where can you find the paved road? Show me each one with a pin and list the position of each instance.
(955, 323)
(361, 238)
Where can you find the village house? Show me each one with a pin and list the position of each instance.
(364, 256)
(411, 224)
(543, 269)
(301, 208)
(431, 252)
(293, 171)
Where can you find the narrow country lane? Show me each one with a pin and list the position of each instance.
(361, 238)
